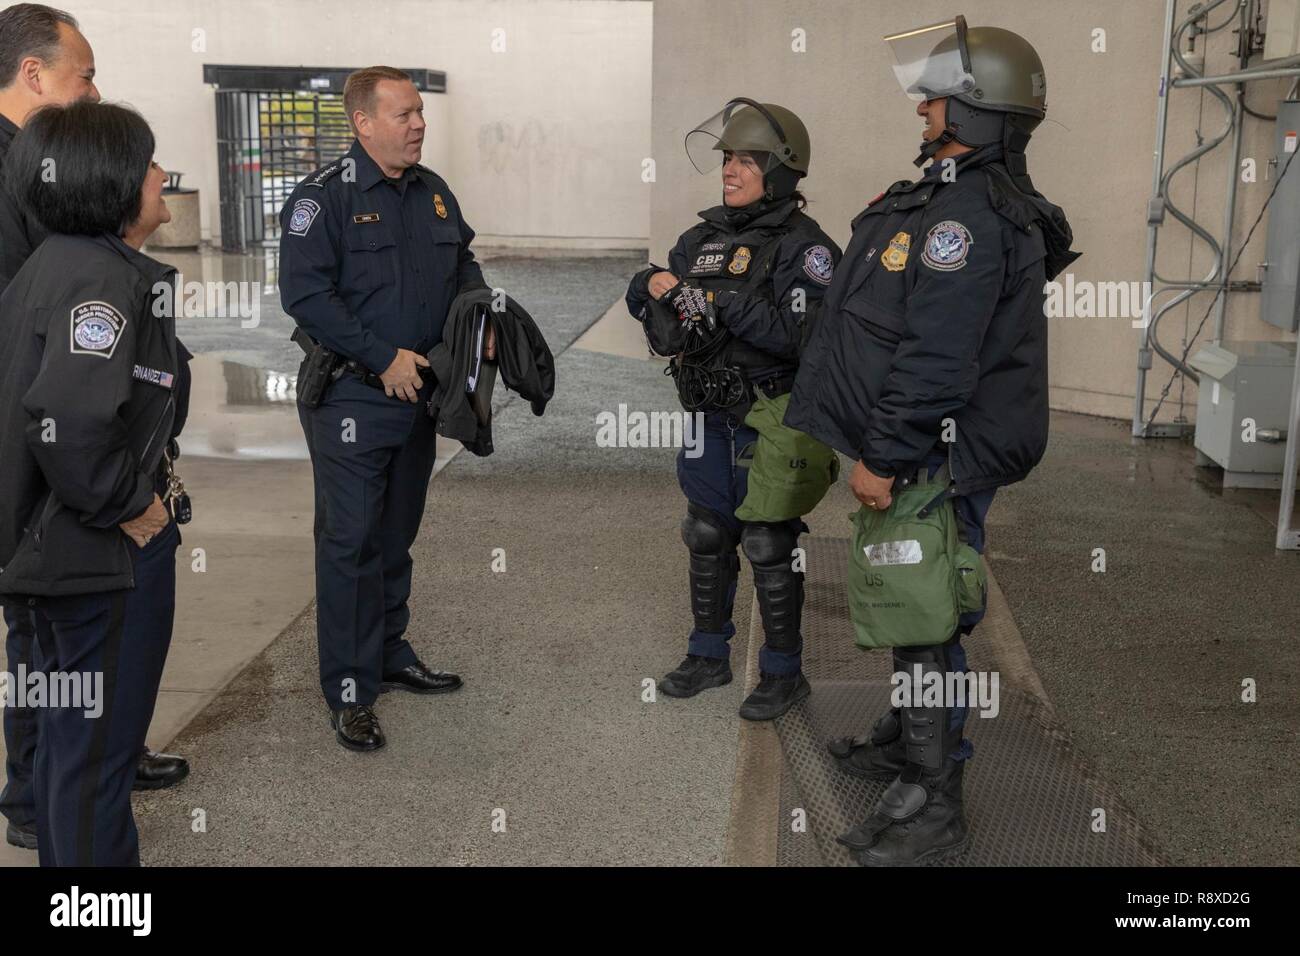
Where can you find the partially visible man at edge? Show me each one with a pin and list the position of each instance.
(44, 61)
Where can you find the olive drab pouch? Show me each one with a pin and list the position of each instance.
(910, 574)
(790, 472)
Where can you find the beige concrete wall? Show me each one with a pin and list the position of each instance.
(542, 139)
(1093, 156)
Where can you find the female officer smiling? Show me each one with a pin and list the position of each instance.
(93, 387)
(741, 282)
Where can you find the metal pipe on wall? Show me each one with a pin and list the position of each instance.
(1230, 207)
(1153, 220)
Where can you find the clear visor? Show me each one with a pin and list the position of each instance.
(929, 62)
(707, 148)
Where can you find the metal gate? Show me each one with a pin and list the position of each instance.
(274, 126)
(267, 140)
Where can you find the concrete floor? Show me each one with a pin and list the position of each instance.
(552, 729)
(1143, 664)
(245, 465)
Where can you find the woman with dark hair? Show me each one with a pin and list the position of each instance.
(93, 391)
(732, 309)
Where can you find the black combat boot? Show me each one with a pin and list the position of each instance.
(774, 695)
(878, 755)
(694, 675)
(919, 819)
(929, 826)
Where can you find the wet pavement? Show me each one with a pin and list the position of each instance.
(1143, 664)
(245, 567)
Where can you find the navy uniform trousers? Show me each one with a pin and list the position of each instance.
(86, 766)
(971, 510)
(18, 802)
(715, 481)
(372, 457)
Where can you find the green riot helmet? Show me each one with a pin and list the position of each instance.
(774, 137)
(993, 79)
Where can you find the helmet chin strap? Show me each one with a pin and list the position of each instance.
(929, 149)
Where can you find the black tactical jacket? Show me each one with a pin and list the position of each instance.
(937, 313)
(523, 359)
(19, 233)
(722, 252)
(91, 390)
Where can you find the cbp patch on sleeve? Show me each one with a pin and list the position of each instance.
(303, 215)
(96, 327)
(819, 264)
(946, 246)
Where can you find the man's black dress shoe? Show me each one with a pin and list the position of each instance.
(418, 679)
(23, 837)
(357, 728)
(158, 771)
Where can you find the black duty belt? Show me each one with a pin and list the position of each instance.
(773, 386)
(353, 367)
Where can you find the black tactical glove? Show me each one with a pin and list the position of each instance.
(693, 304)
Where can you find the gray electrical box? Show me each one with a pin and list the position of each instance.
(1278, 301)
(1245, 392)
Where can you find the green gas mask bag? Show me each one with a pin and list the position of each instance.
(789, 472)
(911, 575)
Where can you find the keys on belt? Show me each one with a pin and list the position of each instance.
(178, 499)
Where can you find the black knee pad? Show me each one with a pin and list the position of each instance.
(767, 543)
(704, 531)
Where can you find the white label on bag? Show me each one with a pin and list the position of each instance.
(894, 552)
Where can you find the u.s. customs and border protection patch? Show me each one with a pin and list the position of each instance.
(96, 329)
(946, 246)
(895, 257)
(739, 264)
(303, 215)
(438, 206)
(819, 264)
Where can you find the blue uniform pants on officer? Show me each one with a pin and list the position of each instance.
(85, 765)
(17, 802)
(716, 483)
(971, 511)
(372, 458)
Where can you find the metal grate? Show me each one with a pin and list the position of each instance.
(1029, 796)
(268, 140)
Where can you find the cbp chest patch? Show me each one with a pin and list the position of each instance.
(946, 246)
(740, 261)
(895, 257)
(707, 262)
(439, 206)
(303, 215)
(819, 264)
(96, 328)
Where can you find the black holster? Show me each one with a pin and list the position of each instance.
(318, 369)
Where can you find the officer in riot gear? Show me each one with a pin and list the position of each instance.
(732, 308)
(937, 316)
